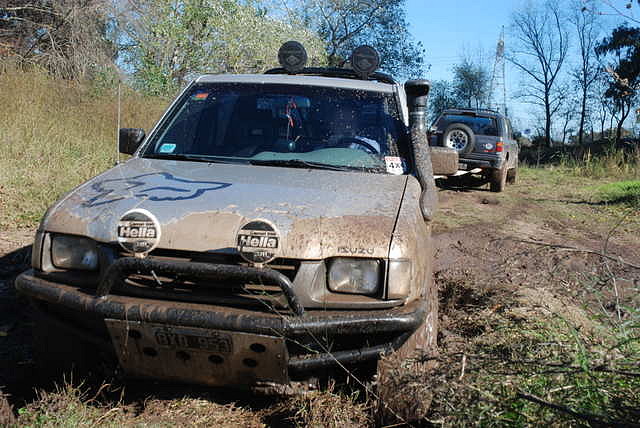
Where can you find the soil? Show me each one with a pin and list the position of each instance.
(490, 249)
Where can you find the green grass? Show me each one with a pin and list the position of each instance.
(620, 192)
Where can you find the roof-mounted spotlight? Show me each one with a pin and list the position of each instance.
(364, 61)
(292, 56)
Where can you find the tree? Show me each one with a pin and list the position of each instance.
(471, 83)
(624, 47)
(542, 43)
(441, 97)
(344, 25)
(586, 72)
(169, 41)
(67, 37)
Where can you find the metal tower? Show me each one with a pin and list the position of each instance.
(498, 87)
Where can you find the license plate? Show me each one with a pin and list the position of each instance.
(214, 342)
(462, 165)
(198, 355)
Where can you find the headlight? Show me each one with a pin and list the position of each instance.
(74, 252)
(355, 276)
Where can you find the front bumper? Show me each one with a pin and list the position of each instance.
(94, 318)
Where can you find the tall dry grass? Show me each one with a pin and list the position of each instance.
(56, 134)
(611, 163)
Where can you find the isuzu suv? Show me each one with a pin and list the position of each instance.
(268, 228)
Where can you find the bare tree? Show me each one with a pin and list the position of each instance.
(67, 37)
(542, 43)
(586, 72)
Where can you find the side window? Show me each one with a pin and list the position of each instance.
(509, 130)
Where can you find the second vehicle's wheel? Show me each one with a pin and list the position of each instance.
(460, 137)
(498, 179)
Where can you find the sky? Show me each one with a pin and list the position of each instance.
(449, 28)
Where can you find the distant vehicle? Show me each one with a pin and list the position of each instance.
(484, 142)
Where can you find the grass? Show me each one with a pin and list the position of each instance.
(55, 135)
(620, 192)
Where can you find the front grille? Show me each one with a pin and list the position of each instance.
(197, 289)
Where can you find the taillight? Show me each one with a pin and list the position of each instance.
(499, 146)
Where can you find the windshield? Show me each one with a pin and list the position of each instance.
(285, 125)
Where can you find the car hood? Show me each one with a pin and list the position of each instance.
(201, 206)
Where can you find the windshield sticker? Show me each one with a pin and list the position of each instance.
(138, 232)
(167, 148)
(258, 242)
(200, 96)
(395, 165)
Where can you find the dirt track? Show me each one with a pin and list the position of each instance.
(500, 247)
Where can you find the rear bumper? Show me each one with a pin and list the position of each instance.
(69, 306)
(483, 162)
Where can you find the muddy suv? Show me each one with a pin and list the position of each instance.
(270, 227)
(484, 142)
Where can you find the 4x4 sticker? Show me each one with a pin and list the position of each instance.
(258, 242)
(394, 164)
(138, 231)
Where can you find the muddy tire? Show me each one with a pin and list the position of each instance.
(498, 180)
(58, 354)
(404, 377)
(512, 173)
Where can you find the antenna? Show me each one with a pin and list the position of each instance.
(498, 83)
(118, 128)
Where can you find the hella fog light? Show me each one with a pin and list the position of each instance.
(354, 276)
(74, 252)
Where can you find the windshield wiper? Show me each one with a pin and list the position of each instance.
(297, 163)
(176, 156)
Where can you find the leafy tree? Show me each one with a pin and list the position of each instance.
(441, 97)
(471, 83)
(623, 47)
(344, 25)
(541, 45)
(167, 42)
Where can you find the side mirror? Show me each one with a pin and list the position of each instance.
(130, 140)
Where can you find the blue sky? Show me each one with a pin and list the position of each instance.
(447, 29)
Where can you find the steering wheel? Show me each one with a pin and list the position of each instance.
(347, 141)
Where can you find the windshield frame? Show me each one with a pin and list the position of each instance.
(145, 150)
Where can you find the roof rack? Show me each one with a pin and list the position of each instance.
(345, 73)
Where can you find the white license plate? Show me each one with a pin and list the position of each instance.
(462, 165)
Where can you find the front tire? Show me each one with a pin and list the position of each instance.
(403, 377)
